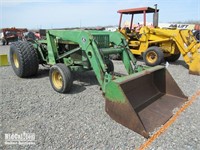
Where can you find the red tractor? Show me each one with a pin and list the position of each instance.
(12, 34)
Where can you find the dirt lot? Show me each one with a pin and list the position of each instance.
(77, 120)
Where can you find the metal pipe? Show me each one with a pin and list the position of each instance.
(131, 21)
(120, 20)
(68, 53)
(107, 51)
(144, 17)
(155, 17)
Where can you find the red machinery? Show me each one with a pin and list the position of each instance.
(12, 34)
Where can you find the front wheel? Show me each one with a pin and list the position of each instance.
(61, 78)
(153, 56)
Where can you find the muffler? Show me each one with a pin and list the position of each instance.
(143, 101)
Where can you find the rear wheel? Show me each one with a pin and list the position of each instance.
(153, 56)
(173, 57)
(197, 34)
(110, 66)
(24, 59)
(61, 78)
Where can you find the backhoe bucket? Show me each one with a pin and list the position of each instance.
(194, 67)
(143, 101)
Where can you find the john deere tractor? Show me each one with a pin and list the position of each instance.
(155, 44)
(142, 100)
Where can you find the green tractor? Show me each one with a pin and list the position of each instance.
(142, 100)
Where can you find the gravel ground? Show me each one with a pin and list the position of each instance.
(78, 120)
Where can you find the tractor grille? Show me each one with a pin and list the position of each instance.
(102, 41)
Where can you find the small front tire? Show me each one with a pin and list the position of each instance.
(61, 78)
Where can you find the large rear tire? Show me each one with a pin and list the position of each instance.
(197, 35)
(24, 59)
(173, 57)
(153, 56)
(61, 78)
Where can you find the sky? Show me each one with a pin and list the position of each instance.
(35, 14)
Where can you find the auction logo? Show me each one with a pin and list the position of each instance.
(20, 139)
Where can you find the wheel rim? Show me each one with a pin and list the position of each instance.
(15, 60)
(151, 57)
(57, 79)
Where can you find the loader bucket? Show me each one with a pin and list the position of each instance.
(143, 101)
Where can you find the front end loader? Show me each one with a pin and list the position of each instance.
(155, 44)
(142, 100)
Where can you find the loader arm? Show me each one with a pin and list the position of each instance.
(88, 44)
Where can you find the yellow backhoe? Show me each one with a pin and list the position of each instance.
(155, 44)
